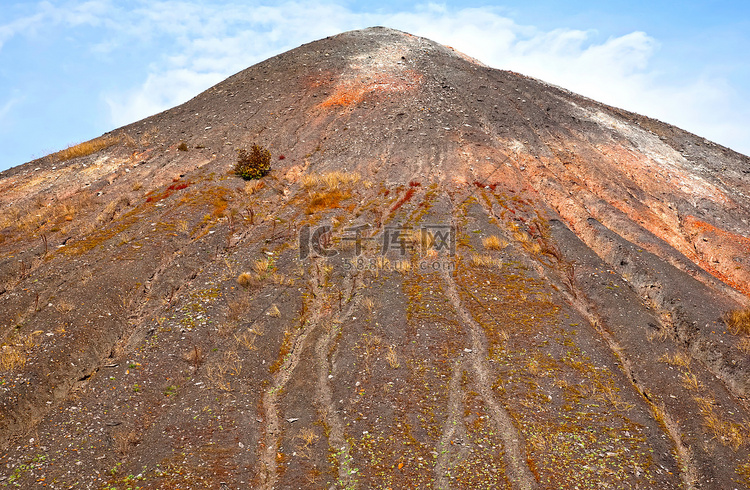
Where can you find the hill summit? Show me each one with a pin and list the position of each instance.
(452, 277)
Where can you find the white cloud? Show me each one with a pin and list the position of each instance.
(94, 12)
(7, 107)
(159, 91)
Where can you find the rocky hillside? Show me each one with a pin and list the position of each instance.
(453, 277)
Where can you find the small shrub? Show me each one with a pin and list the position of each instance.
(253, 164)
(182, 146)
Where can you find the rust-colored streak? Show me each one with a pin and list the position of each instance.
(721, 252)
(351, 92)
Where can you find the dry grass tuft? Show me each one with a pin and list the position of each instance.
(402, 266)
(538, 442)
(727, 433)
(661, 334)
(11, 357)
(738, 322)
(392, 357)
(194, 356)
(522, 236)
(262, 266)
(492, 242)
(306, 438)
(369, 304)
(690, 381)
(247, 338)
(273, 311)
(680, 359)
(281, 279)
(744, 345)
(65, 307)
(15, 354)
(485, 261)
(245, 279)
(744, 471)
(534, 368)
(237, 307)
(86, 148)
(254, 186)
(330, 181)
(320, 201)
(229, 364)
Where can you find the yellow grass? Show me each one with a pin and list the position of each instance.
(681, 359)
(11, 357)
(86, 148)
(690, 381)
(331, 181)
(492, 242)
(738, 322)
(485, 261)
(726, 432)
(245, 279)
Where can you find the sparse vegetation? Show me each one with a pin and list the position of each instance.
(253, 164)
(254, 186)
(738, 322)
(247, 338)
(492, 242)
(11, 357)
(392, 357)
(726, 432)
(228, 364)
(485, 261)
(194, 356)
(85, 149)
(273, 311)
(320, 201)
(182, 146)
(14, 355)
(245, 279)
(237, 307)
(690, 381)
(681, 359)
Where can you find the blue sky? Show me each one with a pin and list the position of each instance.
(72, 70)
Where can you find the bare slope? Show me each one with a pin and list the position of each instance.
(574, 338)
